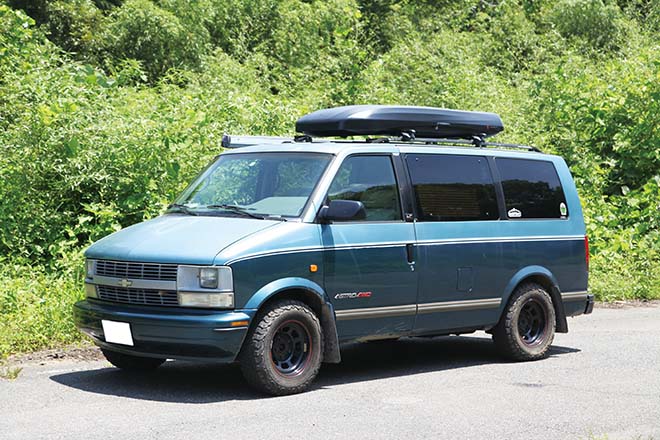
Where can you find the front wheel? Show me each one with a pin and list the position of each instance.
(527, 327)
(283, 350)
(131, 363)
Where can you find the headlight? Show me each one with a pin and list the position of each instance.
(208, 277)
(205, 286)
(90, 265)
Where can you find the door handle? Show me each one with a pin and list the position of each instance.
(410, 253)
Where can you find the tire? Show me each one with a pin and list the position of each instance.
(131, 363)
(527, 327)
(283, 350)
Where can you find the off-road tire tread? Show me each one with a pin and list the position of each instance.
(503, 333)
(256, 354)
(131, 363)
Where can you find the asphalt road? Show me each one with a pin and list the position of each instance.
(602, 380)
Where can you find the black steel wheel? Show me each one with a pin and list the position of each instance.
(291, 348)
(283, 350)
(527, 326)
(532, 322)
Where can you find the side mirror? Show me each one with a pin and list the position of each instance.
(343, 210)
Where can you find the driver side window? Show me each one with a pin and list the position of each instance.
(370, 180)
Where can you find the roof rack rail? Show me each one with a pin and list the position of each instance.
(245, 141)
(475, 142)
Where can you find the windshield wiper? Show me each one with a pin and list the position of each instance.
(183, 208)
(235, 208)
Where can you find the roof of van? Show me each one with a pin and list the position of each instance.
(337, 147)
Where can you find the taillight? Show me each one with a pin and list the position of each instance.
(586, 250)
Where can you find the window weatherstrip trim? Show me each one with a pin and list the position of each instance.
(502, 239)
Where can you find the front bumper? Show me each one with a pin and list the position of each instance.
(169, 333)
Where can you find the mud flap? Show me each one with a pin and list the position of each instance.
(560, 313)
(331, 352)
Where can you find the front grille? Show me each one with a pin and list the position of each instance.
(140, 271)
(138, 296)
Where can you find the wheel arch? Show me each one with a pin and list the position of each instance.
(543, 277)
(309, 293)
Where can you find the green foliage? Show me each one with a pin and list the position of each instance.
(17, 42)
(35, 307)
(241, 26)
(74, 24)
(109, 107)
(36, 9)
(9, 372)
(159, 39)
(598, 24)
(308, 33)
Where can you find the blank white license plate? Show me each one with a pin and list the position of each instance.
(117, 332)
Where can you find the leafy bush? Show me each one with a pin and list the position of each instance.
(597, 23)
(513, 42)
(74, 25)
(35, 308)
(241, 26)
(142, 31)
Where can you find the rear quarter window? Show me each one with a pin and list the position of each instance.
(532, 189)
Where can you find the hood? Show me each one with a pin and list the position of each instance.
(176, 238)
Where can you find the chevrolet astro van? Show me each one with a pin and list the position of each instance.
(284, 248)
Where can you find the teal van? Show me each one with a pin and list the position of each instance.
(284, 248)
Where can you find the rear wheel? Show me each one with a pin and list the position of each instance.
(131, 363)
(527, 327)
(283, 350)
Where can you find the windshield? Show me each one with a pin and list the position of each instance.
(257, 185)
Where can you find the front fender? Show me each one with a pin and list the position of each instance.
(555, 293)
(331, 352)
(274, 287)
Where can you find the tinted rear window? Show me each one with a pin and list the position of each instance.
(452, 188)
(531, 189)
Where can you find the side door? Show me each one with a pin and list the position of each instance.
(369, 273)
(459, 262)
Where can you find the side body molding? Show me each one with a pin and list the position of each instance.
(331, 353)
(555, 293)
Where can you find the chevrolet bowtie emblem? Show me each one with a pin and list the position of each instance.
(125, 283)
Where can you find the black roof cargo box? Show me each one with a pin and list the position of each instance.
(389, 120)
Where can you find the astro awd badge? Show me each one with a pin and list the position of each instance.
(353, 295)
